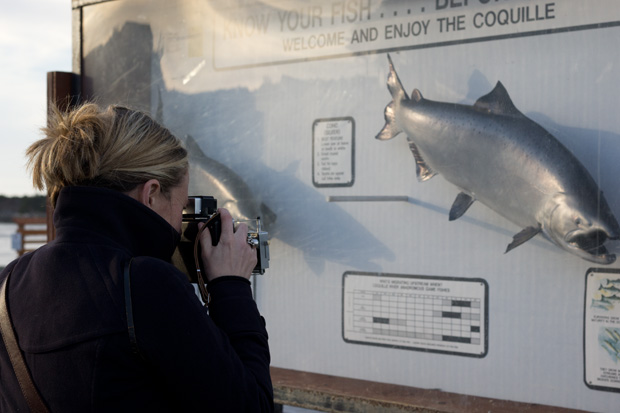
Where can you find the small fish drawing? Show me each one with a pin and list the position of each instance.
(498, 156)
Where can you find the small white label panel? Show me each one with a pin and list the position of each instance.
(435, 314)
(333, 152)
(602, 329)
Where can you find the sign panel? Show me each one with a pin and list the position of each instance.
(280, 104)
(292, 31)
(436, 314)
(333, 152)
(602, 329)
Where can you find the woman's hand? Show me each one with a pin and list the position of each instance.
(232, 255)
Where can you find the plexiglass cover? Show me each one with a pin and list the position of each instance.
(395, 150)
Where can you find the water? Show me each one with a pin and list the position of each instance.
(7, 253)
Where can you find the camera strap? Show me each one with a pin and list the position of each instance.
(35, 403)
(131, 327)
(29, 391)
(202, 285)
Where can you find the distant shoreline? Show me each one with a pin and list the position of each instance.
(9, 220)
(24, 206)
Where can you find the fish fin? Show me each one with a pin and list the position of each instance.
(390, 130)
(523, 236)
(461, 204)
(497, 102)
(416, 95)
(192, 146)
(291, 168)
(394, 85)
(268, 216)
(159, 112)
(423, 171)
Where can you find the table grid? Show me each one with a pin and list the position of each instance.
(420, 316)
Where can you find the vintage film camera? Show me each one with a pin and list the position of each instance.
(204, 209)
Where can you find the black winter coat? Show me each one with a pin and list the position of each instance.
(66, 302)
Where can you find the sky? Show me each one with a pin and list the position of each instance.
(35, 38)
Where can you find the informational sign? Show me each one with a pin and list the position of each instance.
(602, 329)
(294, 31)
(285, 99)
(333, 152)
(435, 314)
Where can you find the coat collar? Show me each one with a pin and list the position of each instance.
(100, 214)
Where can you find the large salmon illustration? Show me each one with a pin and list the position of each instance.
(498, 156)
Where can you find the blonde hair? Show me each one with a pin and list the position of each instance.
(114, 147)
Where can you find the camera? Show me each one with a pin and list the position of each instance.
(204, 209)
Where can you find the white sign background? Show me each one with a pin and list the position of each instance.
(253, 109)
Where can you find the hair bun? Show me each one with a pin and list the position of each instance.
(68, 154)
(115, 148)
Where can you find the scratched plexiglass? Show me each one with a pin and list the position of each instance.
(280, 104)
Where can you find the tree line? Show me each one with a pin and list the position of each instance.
(11, 207)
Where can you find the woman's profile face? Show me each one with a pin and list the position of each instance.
(172, 207)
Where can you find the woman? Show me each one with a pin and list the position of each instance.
(118, 182)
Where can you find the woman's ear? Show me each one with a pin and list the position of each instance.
(151, 192)
(147, 193)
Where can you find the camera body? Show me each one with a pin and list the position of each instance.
(204, 209)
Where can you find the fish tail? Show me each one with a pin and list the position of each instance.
(394, 85)
(390, 129)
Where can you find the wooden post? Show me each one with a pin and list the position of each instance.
(29, 235)
(63, 91)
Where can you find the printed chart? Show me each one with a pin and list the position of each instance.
(436, 314)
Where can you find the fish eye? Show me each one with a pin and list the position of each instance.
(577, 221)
